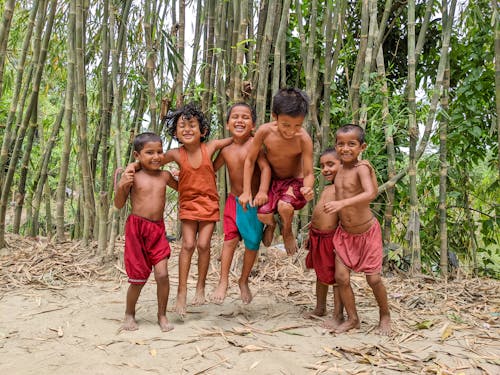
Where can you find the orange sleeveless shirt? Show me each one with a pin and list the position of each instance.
(198, 197)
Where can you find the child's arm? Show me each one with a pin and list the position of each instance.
(218, 162)
(122, 189)
(307, 169)
(171, 181)
(369, 193)
(249, 167)
(265, 180)
(217, 144)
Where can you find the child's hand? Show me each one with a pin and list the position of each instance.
(307, 192)
(333, 207)
(127, 178)
(175, 174)
(260, 199)
(245, 199)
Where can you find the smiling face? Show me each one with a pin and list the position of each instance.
(289, 126)
(188, 130)
(329, 164)
(348, 147)
(150, 156)
(240, 123)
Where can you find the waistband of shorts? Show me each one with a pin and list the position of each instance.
(146, 219)
(374, 222)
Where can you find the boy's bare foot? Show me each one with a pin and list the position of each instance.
(219, 294)
(267, 237)
(180, 305)
(332, 324)
(246, 294)
(318, 311)
(347, 326)
(199, 297)
(290, 243)
(165, 326)
(384, 326)
(129, 323)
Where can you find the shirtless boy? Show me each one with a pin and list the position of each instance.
(321, 254)
(146, 245)
(358, 239)
(288, 149)
(240, 224)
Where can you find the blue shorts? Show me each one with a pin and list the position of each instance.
(242, 224)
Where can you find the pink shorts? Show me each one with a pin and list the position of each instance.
(278, 192)
(321, 255)
(146, 244)
(361, 252)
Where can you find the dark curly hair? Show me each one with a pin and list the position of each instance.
(187, 112)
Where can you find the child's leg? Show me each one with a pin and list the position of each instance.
(225, 264)
(270, 223)
(375, 282)
(343, 279)
(286, 211)
(248, 262)
(133, 292)
(321, 293)
(162, 293)
(205, 230)
(338, 311)
(189, 229)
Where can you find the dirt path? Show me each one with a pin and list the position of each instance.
(72, 326)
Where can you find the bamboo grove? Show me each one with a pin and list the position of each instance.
(78, 79)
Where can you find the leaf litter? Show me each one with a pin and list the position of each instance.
(458, 318)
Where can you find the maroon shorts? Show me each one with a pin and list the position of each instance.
(361, 252)
(321, 255)
(146, 244)
(278, 192)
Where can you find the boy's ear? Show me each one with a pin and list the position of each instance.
(136, 155)
(364, 146)
(275, 116)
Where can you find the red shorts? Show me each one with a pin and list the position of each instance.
(321, 255)
(278, 192)
(361, 252)
(145, 245)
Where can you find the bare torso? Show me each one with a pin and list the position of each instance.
(147, 195)
(357, 218)
(284, 155)
(320, 219)
(234, 156)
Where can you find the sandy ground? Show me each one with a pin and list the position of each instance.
(73, 327)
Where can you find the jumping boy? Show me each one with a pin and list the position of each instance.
(146, 245)
(288, 149)
(321, 254)
(240, 224)
(358, 239)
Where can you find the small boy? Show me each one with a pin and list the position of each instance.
(358, 239)
(239, 224)
(288, 149)
(146, 245)
(321, 254)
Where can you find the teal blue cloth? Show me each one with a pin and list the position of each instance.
(249, 226)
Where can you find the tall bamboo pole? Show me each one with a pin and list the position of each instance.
(8, 11)
(68, 120)
(179, 79)
(264, 64)
(88, 191)
(17, 103)
(150, 64)
(497, 70)
(279, 47)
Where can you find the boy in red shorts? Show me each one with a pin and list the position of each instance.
(358, 239)
(321, 255)
(288, 149)
(146, 245)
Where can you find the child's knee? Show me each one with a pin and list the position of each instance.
(285, 209)
(373, 280)
(266, 219)
(188, 246)
(161, 276)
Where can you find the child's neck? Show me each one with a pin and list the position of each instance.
(241, 140)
